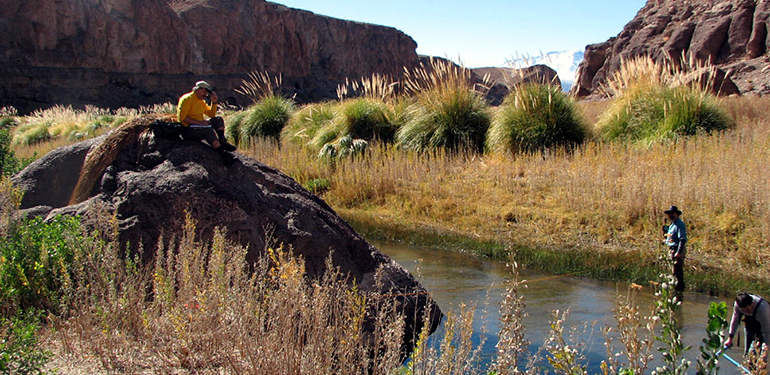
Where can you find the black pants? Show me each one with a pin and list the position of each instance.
(753, 332)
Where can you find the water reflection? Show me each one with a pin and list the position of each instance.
(454, 279)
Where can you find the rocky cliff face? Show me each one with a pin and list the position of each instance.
(116, 53)
(730, 34)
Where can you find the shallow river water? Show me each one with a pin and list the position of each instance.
(454, 279)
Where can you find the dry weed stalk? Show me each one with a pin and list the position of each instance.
(644, 72)
(635, 334)
(512, 342)
(564, 359)
(377, 87)
(260, 85)
(441, 76)
(209, 314)
(756, 360)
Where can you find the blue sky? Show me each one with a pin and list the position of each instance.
(487, 32)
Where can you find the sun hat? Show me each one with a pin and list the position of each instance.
(202, 85)
(673, 209)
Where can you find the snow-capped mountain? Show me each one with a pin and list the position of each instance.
(565, 63)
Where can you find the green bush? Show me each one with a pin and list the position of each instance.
(651, 113)
(19, 350)
(456, 122)
(34, 260)
(305, 123)
(345, 146)
(534, 118)
(9, 163)
(356, 122)
(266, 119)
(31, 134)
(449, 109)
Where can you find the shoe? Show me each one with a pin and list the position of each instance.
(227, 158)
(226, 146)
(223, 141)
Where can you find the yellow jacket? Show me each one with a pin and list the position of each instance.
(190, 105)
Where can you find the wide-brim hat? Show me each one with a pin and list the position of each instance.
(673, 209)
(202, 85)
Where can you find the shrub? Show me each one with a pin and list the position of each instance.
(34, 261)
(533, 118)
(31, 134)
(305, 123)
(653, 102)
(265, 118)
(449, 112)
(9, 163)
(357, 121)
(19, 351)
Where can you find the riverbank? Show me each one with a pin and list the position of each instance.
(628, 266)
(596, 210)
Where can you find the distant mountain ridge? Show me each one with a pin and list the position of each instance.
(565, 63)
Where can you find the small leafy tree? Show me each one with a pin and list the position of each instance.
(714, 340)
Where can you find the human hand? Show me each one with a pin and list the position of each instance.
(214, 98)
(729, 343)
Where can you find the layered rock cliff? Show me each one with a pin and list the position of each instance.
(729, 34)
(115, 53)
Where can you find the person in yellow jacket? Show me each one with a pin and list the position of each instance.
(192, 111)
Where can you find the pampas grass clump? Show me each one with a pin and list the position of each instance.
(533, 118)
(305, 123)
(655, 102)
(266, 119)
(450, 111)
(360, 118)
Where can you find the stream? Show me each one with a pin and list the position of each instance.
(454, 279)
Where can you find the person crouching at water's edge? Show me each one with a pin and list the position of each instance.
(755, 313)
(675, 239)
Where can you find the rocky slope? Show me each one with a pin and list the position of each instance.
(115, 53)
(730, 34)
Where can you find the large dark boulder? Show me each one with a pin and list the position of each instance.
(151, 184)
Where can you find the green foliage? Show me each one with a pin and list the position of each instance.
(234, 124)
(317, 185)
(34, 261)
(9, 163)
(305, 123)
(666, 305)
(31, 134)
(449, 109)
(651, 113)
(714, 340)
(454, 121)
(8, 122)
(356, 121)
(534, 118)
(19, 351)
(366, 119)
(266, 118)
(343, 147)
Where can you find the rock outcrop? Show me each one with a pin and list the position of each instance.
(115, 53)
(153, 183)
(731, 35)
